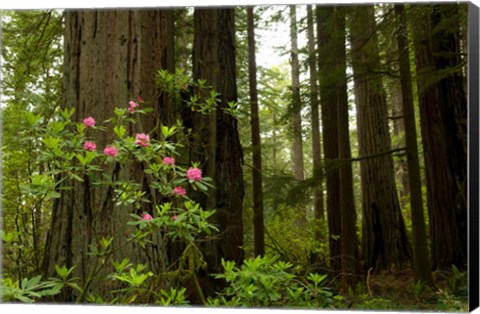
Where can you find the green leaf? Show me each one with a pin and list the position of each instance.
(119, 131)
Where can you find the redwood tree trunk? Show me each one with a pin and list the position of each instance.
(319, 209)
(214, 61)
(328, 101)
(111, 56)
(421, 263)
(384, 240)
(259, 239)
(297, 150)
(443, 126)
(350, 253)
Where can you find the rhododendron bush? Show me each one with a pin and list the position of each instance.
(73, 154)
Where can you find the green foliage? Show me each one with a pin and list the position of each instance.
(61, 146)
(173, 297)
(27, 290)
(269, 282)
(369, 303)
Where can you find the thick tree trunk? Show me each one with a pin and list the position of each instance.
(384, 235)
(421, 263)
(258, 234)
(110, 58)
(443, 120)
(328, 101)
(214, 61)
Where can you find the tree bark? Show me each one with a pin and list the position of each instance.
(319, 210)
(421, 260)
(259, 240)
(443, 119)
(111, 56)
(328, 101)
(384, 240)
(350, 253)
(214, 61)
(297, 150)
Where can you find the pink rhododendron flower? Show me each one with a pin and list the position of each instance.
(174, 217)
(142, 139)
(179, 191)
(131, 109)
(133, 104)
(89, 146)
(110, 151)
(147, 216)
(168, 161)
(194, 174)
(89, 122)
(139, 99)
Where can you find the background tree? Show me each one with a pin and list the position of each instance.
(31, 82)
(314, 104)
(256, 144)
(297, 150)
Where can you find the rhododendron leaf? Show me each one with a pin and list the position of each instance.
(67, 113)
(80, 127)
(32, 119)
(119, 131)
(146, 110)
(76, 177)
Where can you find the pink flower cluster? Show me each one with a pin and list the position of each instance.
(133, 105)
(110, 151)
(194, 174)
(89, 122)
(168, 161)
(142, 139)
(179, 191)
(90, 146)
(146, 216)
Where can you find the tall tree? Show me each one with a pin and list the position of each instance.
(421, 263)
(319, 209)
(328, 100)
(214, 61)
(348, 215)
(259, 242)
(96, 80)
(297, 151)
(443, 126)
(384, 240)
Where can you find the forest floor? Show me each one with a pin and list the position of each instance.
(396, 290)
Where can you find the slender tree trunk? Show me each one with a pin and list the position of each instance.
(421, 260)
(259, 241)
(350, 254)
(384, 233)
(111, 56)
(298, 166)
(328, 101)
(319, 209)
